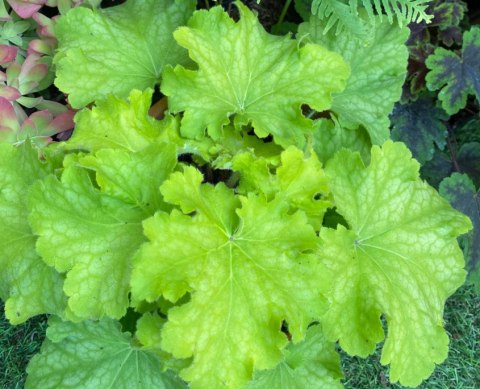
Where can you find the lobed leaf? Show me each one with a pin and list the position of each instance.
(27, 284)
(90, 236)
(460, 191)
(95, 355)
(251, 75)
(299, 179)
(117, 49)
(134, 178)
(399, 258)
(378, 70)
(312, 363)
(456, 77)
(241, 259)
(421, 125)
(115, 123)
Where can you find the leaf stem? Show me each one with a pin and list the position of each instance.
(284, 11)
(452, 148)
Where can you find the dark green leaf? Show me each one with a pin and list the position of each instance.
(435, 170)
(421, 126)
(468, 130)
(461, 192)
(450, 35)
(303, 8)
(469, 160)
(416, 71)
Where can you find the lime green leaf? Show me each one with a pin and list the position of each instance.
(235, 142)
(400, 258)
(457, 77)
(135, 178)
(89, 235)
(421, 125)
(149, 328)
(218, 202)
(243, 271)
(300, 180)
(255, 175)
(329, 137)
(117, 49)
(116, 124)
(378, 70)
(460, 191)
(95, 355)
(313, 363)
(303, 182)
(259, 78)
(27, 284)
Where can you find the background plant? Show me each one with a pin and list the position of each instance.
(97, 195)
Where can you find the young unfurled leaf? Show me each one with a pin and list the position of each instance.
(313, 363)
(96, 355)
(457, 77)
(243, 260)
(27, 284)
(89, 235)
(399, 258)
(377, 75)
(117, 49)
(461, 192)
(421, 125)
(243, 71)
(300, 179)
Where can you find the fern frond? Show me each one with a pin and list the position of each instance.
(344, 13)
(406, 11)
(336, 12)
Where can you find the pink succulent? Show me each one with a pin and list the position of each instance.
(21, 79)
(7, 54)
(39, 127)
(4, 15)
(46, 26)
(26, 8)
(44, 46)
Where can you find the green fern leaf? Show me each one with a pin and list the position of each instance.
(344, 14)
(336, 12)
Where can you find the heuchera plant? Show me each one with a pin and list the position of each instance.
(233, 242)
